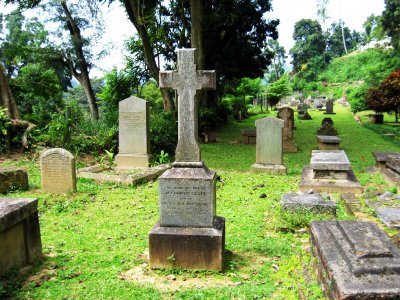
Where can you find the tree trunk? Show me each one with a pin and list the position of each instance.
(134, 11)
(83, 75)
(6, 97)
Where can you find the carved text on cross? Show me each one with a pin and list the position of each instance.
(186, 80)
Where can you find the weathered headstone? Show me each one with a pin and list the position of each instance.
(287, 115)
(328, 142)
(188, 230)
(300, 202)
(20, 242)
(355, 260)
(269, 146)
(329, 108)
(327, 127)
(12, 178)
(134, 138)
(329, 171)
(392, 170)
(58, 171)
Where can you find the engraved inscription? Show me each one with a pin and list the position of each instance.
(132, 120)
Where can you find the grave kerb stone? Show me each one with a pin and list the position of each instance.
(305, 201)
(328, 139)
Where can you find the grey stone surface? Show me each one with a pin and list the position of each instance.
(304, 201)
(381, 157)
(95, 173)
(393, 162)
(187, 197)
(269, 141)
(12, 178)
(308, 182)
(329, 107)
(355, 260)
(327, 127)
(390, 216)
(328, 139)
(134, 136)
(329, 160)
(269, 169)
(20, 242)
(390, 176)
(287, 115)
(186, 80)
(248, 135)
(330, 174)
(58, 171)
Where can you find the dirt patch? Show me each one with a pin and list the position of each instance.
(173, 282)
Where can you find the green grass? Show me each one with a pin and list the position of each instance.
(92, 237)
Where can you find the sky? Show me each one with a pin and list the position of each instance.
(353, 12)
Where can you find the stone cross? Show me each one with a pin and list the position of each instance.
(186, 81)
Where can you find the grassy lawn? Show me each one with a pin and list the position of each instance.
(95, 241)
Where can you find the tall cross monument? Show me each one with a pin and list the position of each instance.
(186, 81)
(189, 228)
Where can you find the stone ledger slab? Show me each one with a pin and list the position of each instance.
(188, 247)
(381, 157)
(355, 260)
(349, 185)
(393, 162)
(329, 160)
(390, 216)
(328, 142)
(12, 178)
(312, 202)
(187, 197)
(19, 233)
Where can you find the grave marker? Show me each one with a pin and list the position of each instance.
(58, 171)
(134, 137)
(269, 146)
(287, 115)
(188, 228)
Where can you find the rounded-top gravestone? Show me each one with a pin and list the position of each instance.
(58, 171)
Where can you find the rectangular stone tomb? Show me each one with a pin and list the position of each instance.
(249, 136)
(390, 216)
(329, 171)
(355, 260)
(393, 162)
(311, 202)
(381, 157)
(328, 142)
(187, 197)
(12, 178)
(20, 242)
(188, 247)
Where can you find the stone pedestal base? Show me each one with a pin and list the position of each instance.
(132, 161)
(269, 169)
(20, 242)
(289, 146)
(188, 247)
(308, 182)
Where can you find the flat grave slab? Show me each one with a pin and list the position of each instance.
(303, 201)
(393, 162)
(390, 216)
(381, 157)
(12, 178)
(355, 260)
(19, 233)
(350, 185)
(328, 139)
(335, 160)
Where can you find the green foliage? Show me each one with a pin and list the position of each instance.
(356, 96)
(391, 21)
(308, 50)
(38, 93)
(335, 40)
(151, 92)
(163, 132)
(278, 89)
(4, 126)
(373, 29)
(162, 158)
(386, 97)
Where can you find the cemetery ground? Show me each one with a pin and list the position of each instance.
(95, 240)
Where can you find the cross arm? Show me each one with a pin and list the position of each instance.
(206, 80)
(166, 79)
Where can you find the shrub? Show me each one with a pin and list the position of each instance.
(163, 132)
(4, 127)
